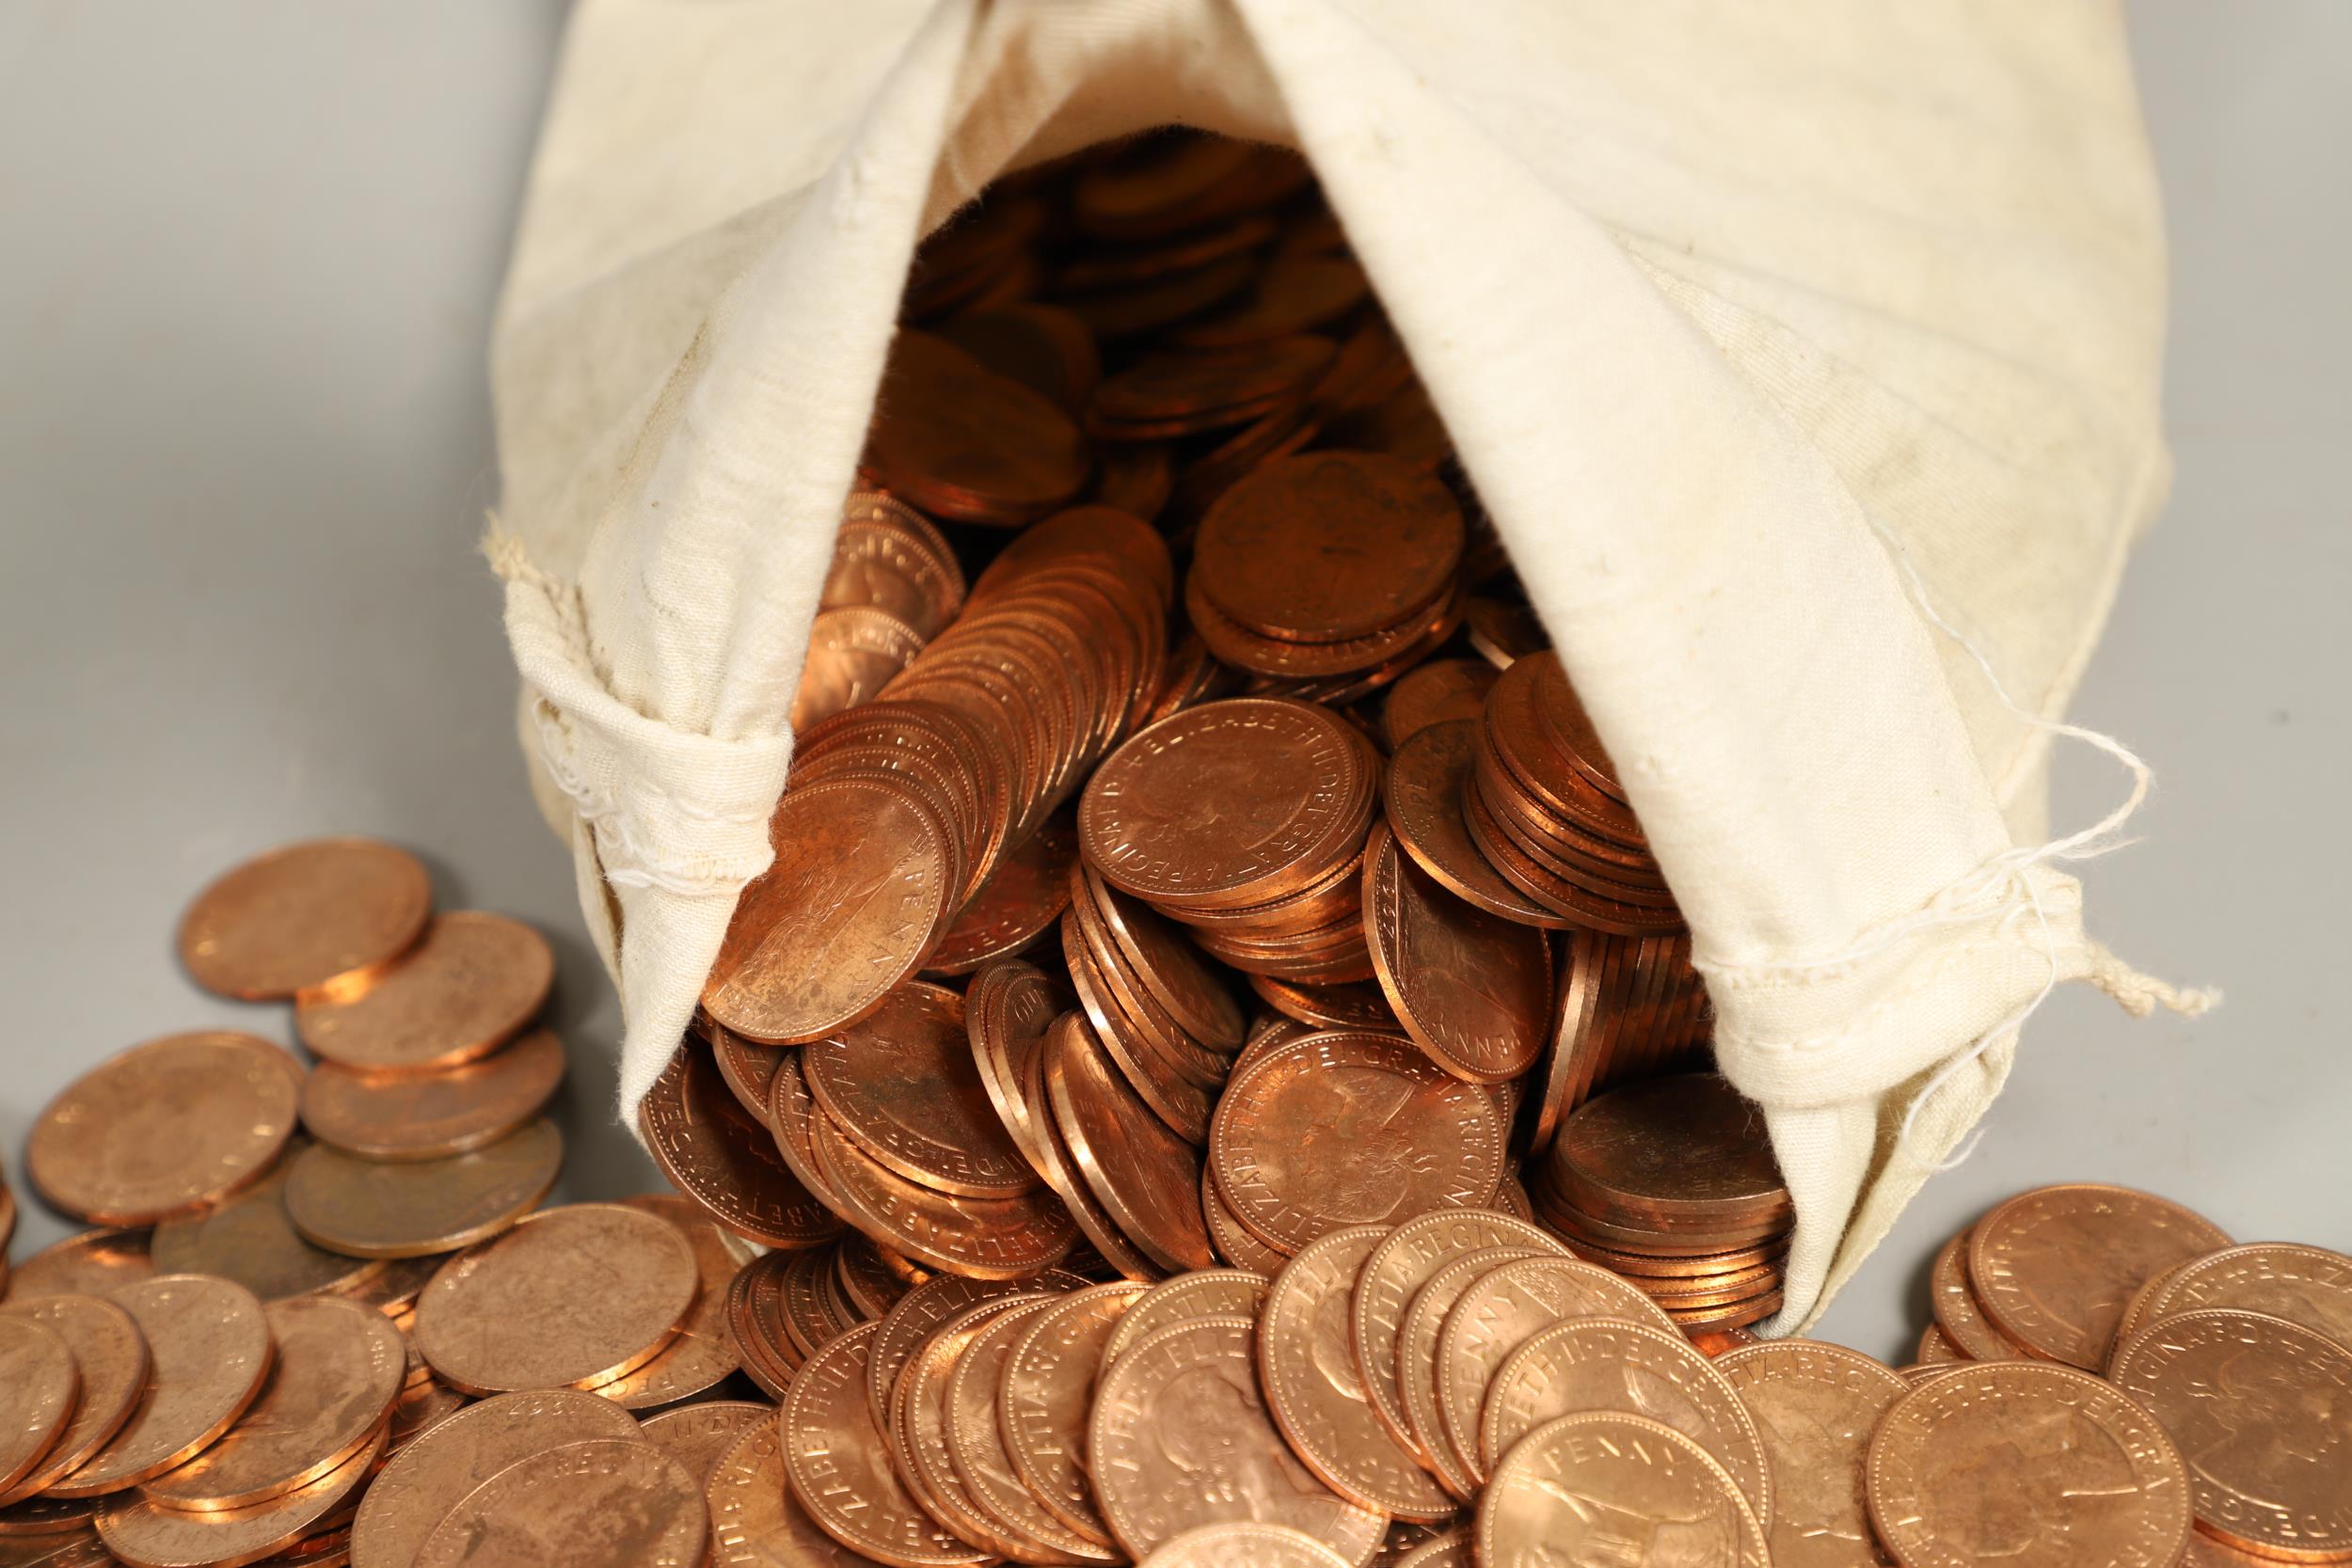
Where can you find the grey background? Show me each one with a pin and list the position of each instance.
(252, 250)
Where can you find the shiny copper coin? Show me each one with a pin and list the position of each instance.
(1203, 1293)
(1168, 967)
(753, 1521)
(250, 1238)
(1166, 394)
(1019, 904)
(1348, 1128)
(1440, 691)
(1299, 290)
(1328, 546)
(976, 1440)
(756, 1325)
(165, 1127)
(702, 1355)
(2054, 1267)
(1007, 1011)
(2135, 1315)
(924, 1308)
(889, 556)
(571, 1297)
(919, 1436)
(2038, 1465)
(369, 1209)
(1142, 1173)
(731, 1166)
(1957, 1312)
(603, 1503)
(42, 1386)
(792, 1117)
(847, 910)
(2262, 1411)
(1938, 1348)
(108, 1357)
(872, 1281)
(393, 1291)
(303, 915)
(1684, 1155)
(1422, 789)
(339, 1368)
(1046, 1393)
(39, 1524)
(1456, 1549)
(1245, 1540)
(961, 441)
(903, 1085)
(1589, 1486)
(1350, 1007)
(421, 1407)
(838, 1465)
(853, 652)
(1816, 1405)
(1315, 1392)
(209, 1350)
(1102, 534)
(1416, 1366)
(806, 1320)
(2305, 1285)
(429, 1476)
(1588, 1364)
(1180, 1101)
(1472, 990)
(148, 1535)
(1095, 1223)
(426, 1115)
(1180, 1437)
(470, 984)
(1233, 1240)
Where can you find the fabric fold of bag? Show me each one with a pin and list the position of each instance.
(1780, 345)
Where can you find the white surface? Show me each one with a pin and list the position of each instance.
(313, 345)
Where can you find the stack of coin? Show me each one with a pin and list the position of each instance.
(1629, 1007)
(893, 583)
(1671, 1183)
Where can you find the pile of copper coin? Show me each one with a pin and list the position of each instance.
(1213, 1076)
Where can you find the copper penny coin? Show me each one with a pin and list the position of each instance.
(847, 911)
(208, 1349)
(986, 1237)
(2304, 1285)
(46, 1524)
(1394, 1275)
(110, 1356)
(1472, 990)
(732, 1168)
(165, 1127)
(251, 1240)
(43, 1385)
(301, 916)
(1180, 1437)
(91, 1263)
(1233, 1240)
(1315, 1392)
(2035, 1463)
(853, 652)
(1179, 1099)
(839, 1467)
(428, 1478)
(1022, 900)
(1679, 1154)
(961, 441)
(1007, 1009)
(1439, 691)
(903, 1085)
(1350, 1129)
(469, 985)
(1203, 1293)
(1581, 1486)
(369, 1209)
(924, 1308)
(1456, 1549)
(1046, 1393)
(1416, 1368)
(977, 1441)
(1220, 802)
(702, 1355)
(1957, 1313)
(1423, 790)
(421, 1406)
(2262, 1410)
(1938, 1348)
(427, 1116)
(918, 1435)
(570, 1297)
(754, 1522)
(1169, 968)
(1061, 1169)
(603, 1503)
(1816, 1405)
(1328, 546)
(889, 556)
(339, 1368)
(393, 1291)
(148, 1535)
(2055, 1267)
(1245, 1540)
(1584, 1364)
(1147, 1177)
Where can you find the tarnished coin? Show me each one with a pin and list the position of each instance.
(732, 1166)
(604, 1503)
(1350, 1129)
(394, 1290)
(990, 1238)
(1440, 691)
(304, 916)
(2055, 1266)
(1472, 989)
(88, 1263)
(429, 1476)
(1203, 1293)
(571, 1297)
(2304, 1285)
(165, 1127)
(839, 1467)
(251, 1240)
(339, 1368)
(976, 1440)
(902, 1084)
(854, 651)
(1147, 1177)
(1046, 1392)
(208, 1349)
(1588, 1364)
(1307, 1370)
(847, 910)
(426, 1115)
(1416, 1364)
(1007, 1011)
(2037, 1464)
(41, 1385)
(469, 985)
(148, 1535)
(108, 1355)
(753, 1521)
(1600, 1485)
(2262, 1410)
(1816, 1405)
(1241, 1540)
(1957, 1312)
(702, 1355)
(1180, 1437)
(369, 1209)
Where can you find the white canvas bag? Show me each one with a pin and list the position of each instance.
(1807, 354)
